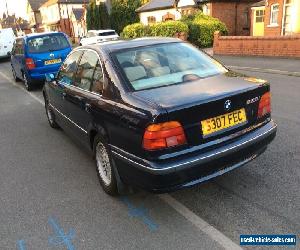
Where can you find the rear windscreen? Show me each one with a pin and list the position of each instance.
(47, 43)
(107, 33)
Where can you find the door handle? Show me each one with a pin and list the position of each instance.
(88, 107)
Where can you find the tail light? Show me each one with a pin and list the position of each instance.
(264, 105)
(163, 135)
(30, 63)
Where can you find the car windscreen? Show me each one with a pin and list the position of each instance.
(166, 64)
(47, 43)
(107, 33)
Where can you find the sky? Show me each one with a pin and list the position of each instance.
(14, 6)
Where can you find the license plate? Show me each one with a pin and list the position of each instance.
(222, 122)
(53, 61)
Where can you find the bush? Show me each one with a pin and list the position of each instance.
(166, 29)
(202, 28)
(134, 31)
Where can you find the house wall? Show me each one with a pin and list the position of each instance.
(273, 30)
(56, 17)
(183, 3)
(277, 46)
(158, 14)
(236, 16)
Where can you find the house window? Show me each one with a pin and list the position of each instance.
(274, 14)
(259, 16)
(151, 19)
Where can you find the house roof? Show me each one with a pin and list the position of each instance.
(156, 5)
(259, 4)
(78, 13)
(52, 2)
(36, 4)
(161, 4)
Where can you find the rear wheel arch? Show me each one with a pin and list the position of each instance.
(99, 130)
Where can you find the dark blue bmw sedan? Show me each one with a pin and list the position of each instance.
(158, 113)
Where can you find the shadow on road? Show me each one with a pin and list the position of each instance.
(4, 60)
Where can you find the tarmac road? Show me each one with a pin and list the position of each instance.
(50, 197)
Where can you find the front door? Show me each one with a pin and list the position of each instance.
(258, 23)
(59, 87)
(80, 97)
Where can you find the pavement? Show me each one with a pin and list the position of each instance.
(51, 199)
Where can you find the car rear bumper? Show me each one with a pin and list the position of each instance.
(191, 169)
(38, 74)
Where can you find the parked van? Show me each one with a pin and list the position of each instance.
(7, 38)
(34, 55)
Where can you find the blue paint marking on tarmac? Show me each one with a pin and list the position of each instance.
(61, 238)
(140, 212)
(21, 245)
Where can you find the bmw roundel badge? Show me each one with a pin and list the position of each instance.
(227, 105)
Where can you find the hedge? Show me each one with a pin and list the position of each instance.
(199, 27)
(166, 29)
(169, 28)
(202, 28)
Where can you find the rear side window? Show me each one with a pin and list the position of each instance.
(47, 43)
(69, 67)
(85, 70)
(107, 33)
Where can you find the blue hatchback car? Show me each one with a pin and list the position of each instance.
(35, 55)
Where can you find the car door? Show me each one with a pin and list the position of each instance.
(59, 88)
(79, 96)
(18, 60)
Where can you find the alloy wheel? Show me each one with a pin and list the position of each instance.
(103, 164)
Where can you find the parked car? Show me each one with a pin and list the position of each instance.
(7, 38)
(98, 36)
(34, 55)
(159, 114)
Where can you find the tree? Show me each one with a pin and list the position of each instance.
(123, 13)
(97, 16)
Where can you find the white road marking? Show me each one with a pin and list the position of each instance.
(197, 221)
(273, 71)
(201, 224)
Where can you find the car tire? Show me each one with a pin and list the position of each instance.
(27, 82)
(17, 79)
(105, 166)
(50, 115)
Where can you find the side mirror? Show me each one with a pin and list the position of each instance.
(50, 77)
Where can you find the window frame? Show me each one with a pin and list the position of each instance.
(93, 69)
(151, 19)
(272, 14)
(73, 77)
(261, 15)
(60, 69)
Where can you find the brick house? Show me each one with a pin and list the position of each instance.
(33, 12)
(57, 15)
(234, 13)
(277, 17)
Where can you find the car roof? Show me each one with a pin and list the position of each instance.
(112, 46)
